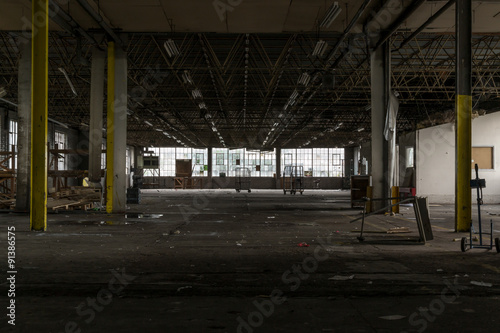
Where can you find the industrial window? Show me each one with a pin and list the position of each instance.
(127, 161)
(220, 159)
(13, 142)
(220, 165)
(483, 157)
(252, 159)
(305, 159)
(269, 167)
(199, 159)
(320, 162)
(410, 153)
(237, 161)
(60, 143)
(103, 157)
(200, 162)
(317, 162)
(336, 160)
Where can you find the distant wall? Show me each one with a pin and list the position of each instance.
(435, 160)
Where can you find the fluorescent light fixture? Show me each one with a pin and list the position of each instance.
(3, 92)
(196, 94)
(304, 79)
(62, 70)
(351, 142)
(158, 130)
(331, 15)
(171, 48)
(294, 95)
(361, 129)
(320, 48)
(202, 105)
(186, 77)
(148, 123)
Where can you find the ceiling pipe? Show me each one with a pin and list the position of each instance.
(429, 21)
(400, 20)
(98, 18)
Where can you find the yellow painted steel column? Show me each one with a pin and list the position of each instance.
(463, 204)
(395, 194)
(110, 128)
(39, 114)
(463, 136)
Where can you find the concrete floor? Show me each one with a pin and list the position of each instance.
(221, 261)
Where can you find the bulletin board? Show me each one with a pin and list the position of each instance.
(483, 157)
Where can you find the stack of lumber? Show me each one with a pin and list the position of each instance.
(74, 198)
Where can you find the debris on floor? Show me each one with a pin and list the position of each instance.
(393, 317)
(303, 244)
(481, 284)
(341, 277)
(395, 230)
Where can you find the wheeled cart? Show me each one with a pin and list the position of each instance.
(465, 244)
(293, 179)
(242, 182)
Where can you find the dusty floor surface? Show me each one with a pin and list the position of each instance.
(221, 261)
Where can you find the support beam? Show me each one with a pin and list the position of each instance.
(110, 143)
(278, 168)
(380, 78)
(96, 113)
(39, 112)
(210, 168)
(24, 126)
(120, 132)
(463, 203)
(116, 183)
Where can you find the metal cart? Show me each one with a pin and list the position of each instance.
(293, 179)
(479, 184)
(242, 181)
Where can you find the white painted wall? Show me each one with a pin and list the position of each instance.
(435, 160)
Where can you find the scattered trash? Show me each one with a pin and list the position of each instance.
(481, 284)
(397, 230)
(182, 288)
(271, 217)
(238, 244)
(341, 277)
(177, 232)
(303, 244)
(393, 317)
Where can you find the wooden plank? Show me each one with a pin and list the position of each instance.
(423, 219)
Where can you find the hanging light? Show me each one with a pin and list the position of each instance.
(171, 48)
(331, 15)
